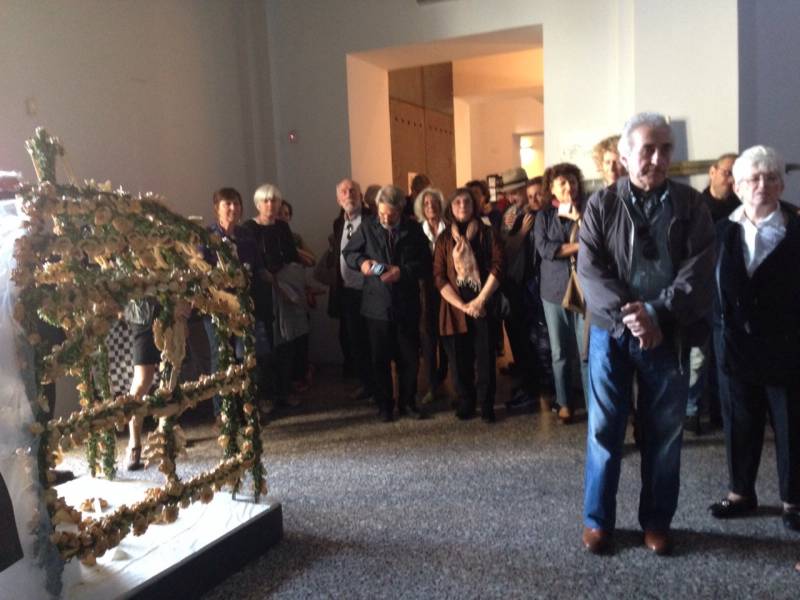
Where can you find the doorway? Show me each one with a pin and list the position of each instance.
(497, 96)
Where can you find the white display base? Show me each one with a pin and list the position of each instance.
(140, 562)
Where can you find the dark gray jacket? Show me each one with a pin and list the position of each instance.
(759, 315)
(604, 261)
(398, 301)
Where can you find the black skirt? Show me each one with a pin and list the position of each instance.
(144, 348)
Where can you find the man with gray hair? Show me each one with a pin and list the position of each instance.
(392, 254)
(344, 299)
(645, 262)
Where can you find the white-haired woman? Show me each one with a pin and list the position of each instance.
(757, 334)
(276, 248)
(428, 208)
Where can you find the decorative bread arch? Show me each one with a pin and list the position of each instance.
(89, 250)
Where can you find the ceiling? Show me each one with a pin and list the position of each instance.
(448, 50)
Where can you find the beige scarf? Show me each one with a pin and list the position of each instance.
(467, 273)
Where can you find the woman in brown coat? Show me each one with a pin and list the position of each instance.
(467, 266)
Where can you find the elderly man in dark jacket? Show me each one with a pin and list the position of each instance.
(344, 299)
(757, 334)
(645, 262)
(392, 253)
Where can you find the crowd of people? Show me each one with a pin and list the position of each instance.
(645, 302)
(608, 300)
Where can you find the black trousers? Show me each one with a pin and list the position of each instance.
(396, 341)
(472, 361)
(356, 335)
(300, 359)
(434, 358)
(515, 324)
(281, 370)
(744, 417)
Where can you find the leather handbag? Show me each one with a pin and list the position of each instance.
(573, 296)
(499, 306)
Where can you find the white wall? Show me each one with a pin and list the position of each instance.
(694, 82)
(463, 140)
(769, 89)
(493, 124)
(371, 161)
(171, 96)
(601, 62)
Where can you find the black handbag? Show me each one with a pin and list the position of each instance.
(500, 307)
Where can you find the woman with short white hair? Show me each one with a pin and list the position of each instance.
(757, 334)
(276, 248)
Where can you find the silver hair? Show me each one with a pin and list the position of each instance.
(652, 120)
(354, 183)
(419, 202)
(266, 192)
(391, 196)
(759, 158)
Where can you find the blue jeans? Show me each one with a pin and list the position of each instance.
(565, 329)
(663, 379)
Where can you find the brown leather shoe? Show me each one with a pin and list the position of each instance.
(565, 415)
(596, 541)
(658, 540)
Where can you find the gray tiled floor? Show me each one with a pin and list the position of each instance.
(441, 508)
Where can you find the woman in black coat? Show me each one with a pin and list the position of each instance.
(757, 334)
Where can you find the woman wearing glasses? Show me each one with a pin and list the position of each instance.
(757, 334)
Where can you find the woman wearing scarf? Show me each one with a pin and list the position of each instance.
(467, 266)
(556, 236)
(428, 210)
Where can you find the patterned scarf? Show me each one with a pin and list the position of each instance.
(467, 274)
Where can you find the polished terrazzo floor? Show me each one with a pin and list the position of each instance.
(449, 509)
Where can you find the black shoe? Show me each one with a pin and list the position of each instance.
(465, 415)
(385, 416)
(693, 424)
(417, 413)
(520, 400)
(488, 417)
(791, 519)
(413, 412)
(361, 393)
(729, 509)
